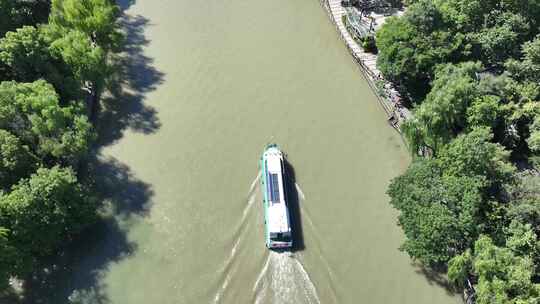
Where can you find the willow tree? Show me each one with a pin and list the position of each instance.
(443, 114)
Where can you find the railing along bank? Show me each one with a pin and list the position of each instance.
(395, 116)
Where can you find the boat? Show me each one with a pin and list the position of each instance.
(278, 233)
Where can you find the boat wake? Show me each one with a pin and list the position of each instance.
(252, 196)
(230, 266)
(300, 192)
(283, 279)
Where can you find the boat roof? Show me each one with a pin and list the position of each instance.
(278, 215)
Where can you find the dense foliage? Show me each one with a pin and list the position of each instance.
(16, 13)
(53, 68)
(472, 71)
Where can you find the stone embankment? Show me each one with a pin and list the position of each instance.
(387, 95)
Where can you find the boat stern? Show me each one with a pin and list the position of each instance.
(279, 245)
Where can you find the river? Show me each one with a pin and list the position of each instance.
(208, 84)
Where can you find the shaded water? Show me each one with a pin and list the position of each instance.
(207, 85)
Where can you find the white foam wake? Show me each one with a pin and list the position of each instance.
(227, 266)
(254, 183)
(285, 280)
(300, 192)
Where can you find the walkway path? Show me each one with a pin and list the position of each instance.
(368, 62)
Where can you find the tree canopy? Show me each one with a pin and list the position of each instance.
(410, 47)
(503, 275)
(16, 13)
(50, 202)
(95, 18)
(444, 202)
(472, 70)
(54, 65)
(33, 113)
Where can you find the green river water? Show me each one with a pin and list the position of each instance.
(208, 84)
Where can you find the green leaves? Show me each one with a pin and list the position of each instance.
(95, 18)
(434, 32)
(16, 13)
(443, 113)
(459, 268)
(410, 47)
(501, 38)
(438, 222)
(88, 62)
(16, 160)
(503, 276)
(474, 155)
(26, 52)
(50, 204)
(44, 129)
(32, 112)
(444, 201)
(477, 63)
(534, 139)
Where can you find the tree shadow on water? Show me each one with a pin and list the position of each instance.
(293, 202)
(435, 277)
(125, 105)
(116, 183)
(125, 4)
(75, 274)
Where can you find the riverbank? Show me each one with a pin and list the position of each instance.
(387, 96)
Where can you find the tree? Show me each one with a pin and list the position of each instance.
(522, 239)
(500, 38)
(530, 9)
(534, 139)
(26, 53)
(444, 202)
(43, 210)
(69, 22)
(503, 276)
(524, 206)
(410, 47)
(442, 115)
(529, 67)
(473, 154)
(525, 84)
(472, 69)
(437, 215)
(16, 161)
(32, 112)
(466, 15)
(8, 257)
(16, 13)
(95, 18)
(460, 268)
(486, 111)
(87, 62)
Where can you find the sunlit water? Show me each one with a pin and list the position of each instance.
(212, 83)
